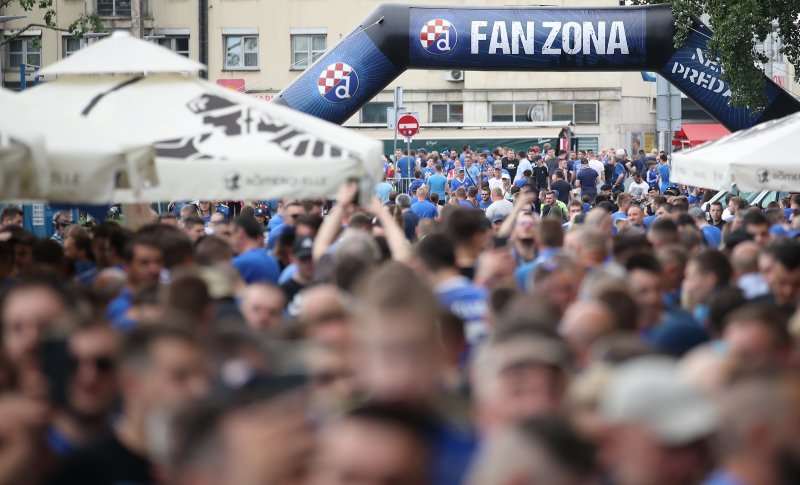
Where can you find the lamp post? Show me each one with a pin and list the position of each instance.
(4, 19)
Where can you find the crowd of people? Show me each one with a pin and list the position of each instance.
(489, 318)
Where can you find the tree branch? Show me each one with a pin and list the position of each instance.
(28, 27)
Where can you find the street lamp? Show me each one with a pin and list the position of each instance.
(4, 19)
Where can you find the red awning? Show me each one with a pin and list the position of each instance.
(692, 135)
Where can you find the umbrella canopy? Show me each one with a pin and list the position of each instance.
(45, 156)
(759, 158)
(122, 54)
(213, 143)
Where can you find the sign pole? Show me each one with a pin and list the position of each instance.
(398, 101)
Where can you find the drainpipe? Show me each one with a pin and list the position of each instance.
(202, 6)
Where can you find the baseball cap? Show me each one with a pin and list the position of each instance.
(677, 338)
(620, 152)
(446, 152)
(303, 247)
(671, 191)
(259, 212)
(505, 176)
(651, 391)
(460, 169)
(654, 186)
(697, 213)
(537, 149)
(606, 187)
(498, 218)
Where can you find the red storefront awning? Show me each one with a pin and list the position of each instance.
(692, 135)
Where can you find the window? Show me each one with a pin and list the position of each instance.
(578, 113)
(179, 44)
(588, 143)
(24, 50)
(375, 113)
(516, 112)
(306, 49)
(447, 113)
(73, 45)
(114, 8)
(241, 52)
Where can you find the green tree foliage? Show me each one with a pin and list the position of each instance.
(82, 25)
(736, 25)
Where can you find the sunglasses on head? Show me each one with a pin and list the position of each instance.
(103, 364)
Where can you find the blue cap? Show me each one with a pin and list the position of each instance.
(678, 338)
(446, 152)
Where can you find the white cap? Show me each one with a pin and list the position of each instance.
(650, 391)
(621, 152)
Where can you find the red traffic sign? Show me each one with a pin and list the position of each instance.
(408, 125)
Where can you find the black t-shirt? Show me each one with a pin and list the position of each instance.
(563, 189)
(104, 462)
(540, 176)
(291, 288)
(510, 164)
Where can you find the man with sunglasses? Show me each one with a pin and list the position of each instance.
(92, 349)
(61, 220)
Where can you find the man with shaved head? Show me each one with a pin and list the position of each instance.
(583, 324)
(744, 259)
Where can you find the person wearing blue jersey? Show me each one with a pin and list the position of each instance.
(291, 211)
(416, 183)
(460, 180)
(438, 183)
(455, 292)
(253, 262)
(424, 208)
(663, 173)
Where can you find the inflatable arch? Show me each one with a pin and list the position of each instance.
(396, 37)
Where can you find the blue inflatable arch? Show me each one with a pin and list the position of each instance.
(394, 38)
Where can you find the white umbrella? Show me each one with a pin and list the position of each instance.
(63, 158)
(759, 158)
(122, 54)
(213, 143)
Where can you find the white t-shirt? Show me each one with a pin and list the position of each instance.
(493, 182)
(598, 167)
(500, 207)
(638, 191)
(524, 164)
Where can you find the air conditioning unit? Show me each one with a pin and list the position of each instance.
(454, 76)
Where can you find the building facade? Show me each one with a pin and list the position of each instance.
(259, 46)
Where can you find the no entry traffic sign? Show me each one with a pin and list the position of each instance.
(408, 126)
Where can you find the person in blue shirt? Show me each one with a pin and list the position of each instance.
(618, 175)
(460, 180)
(486, 199)
(526, 177)
(405, 164)
(663, 174)
(291, 211)
(652, 173)
(711, 234)
(143, 262)
(253, 262)
(382, 190)
(437, 183)
(454, 291)
(428, 170)
(447, 162)
(416, 183)
(473, 172)
(423, 207)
